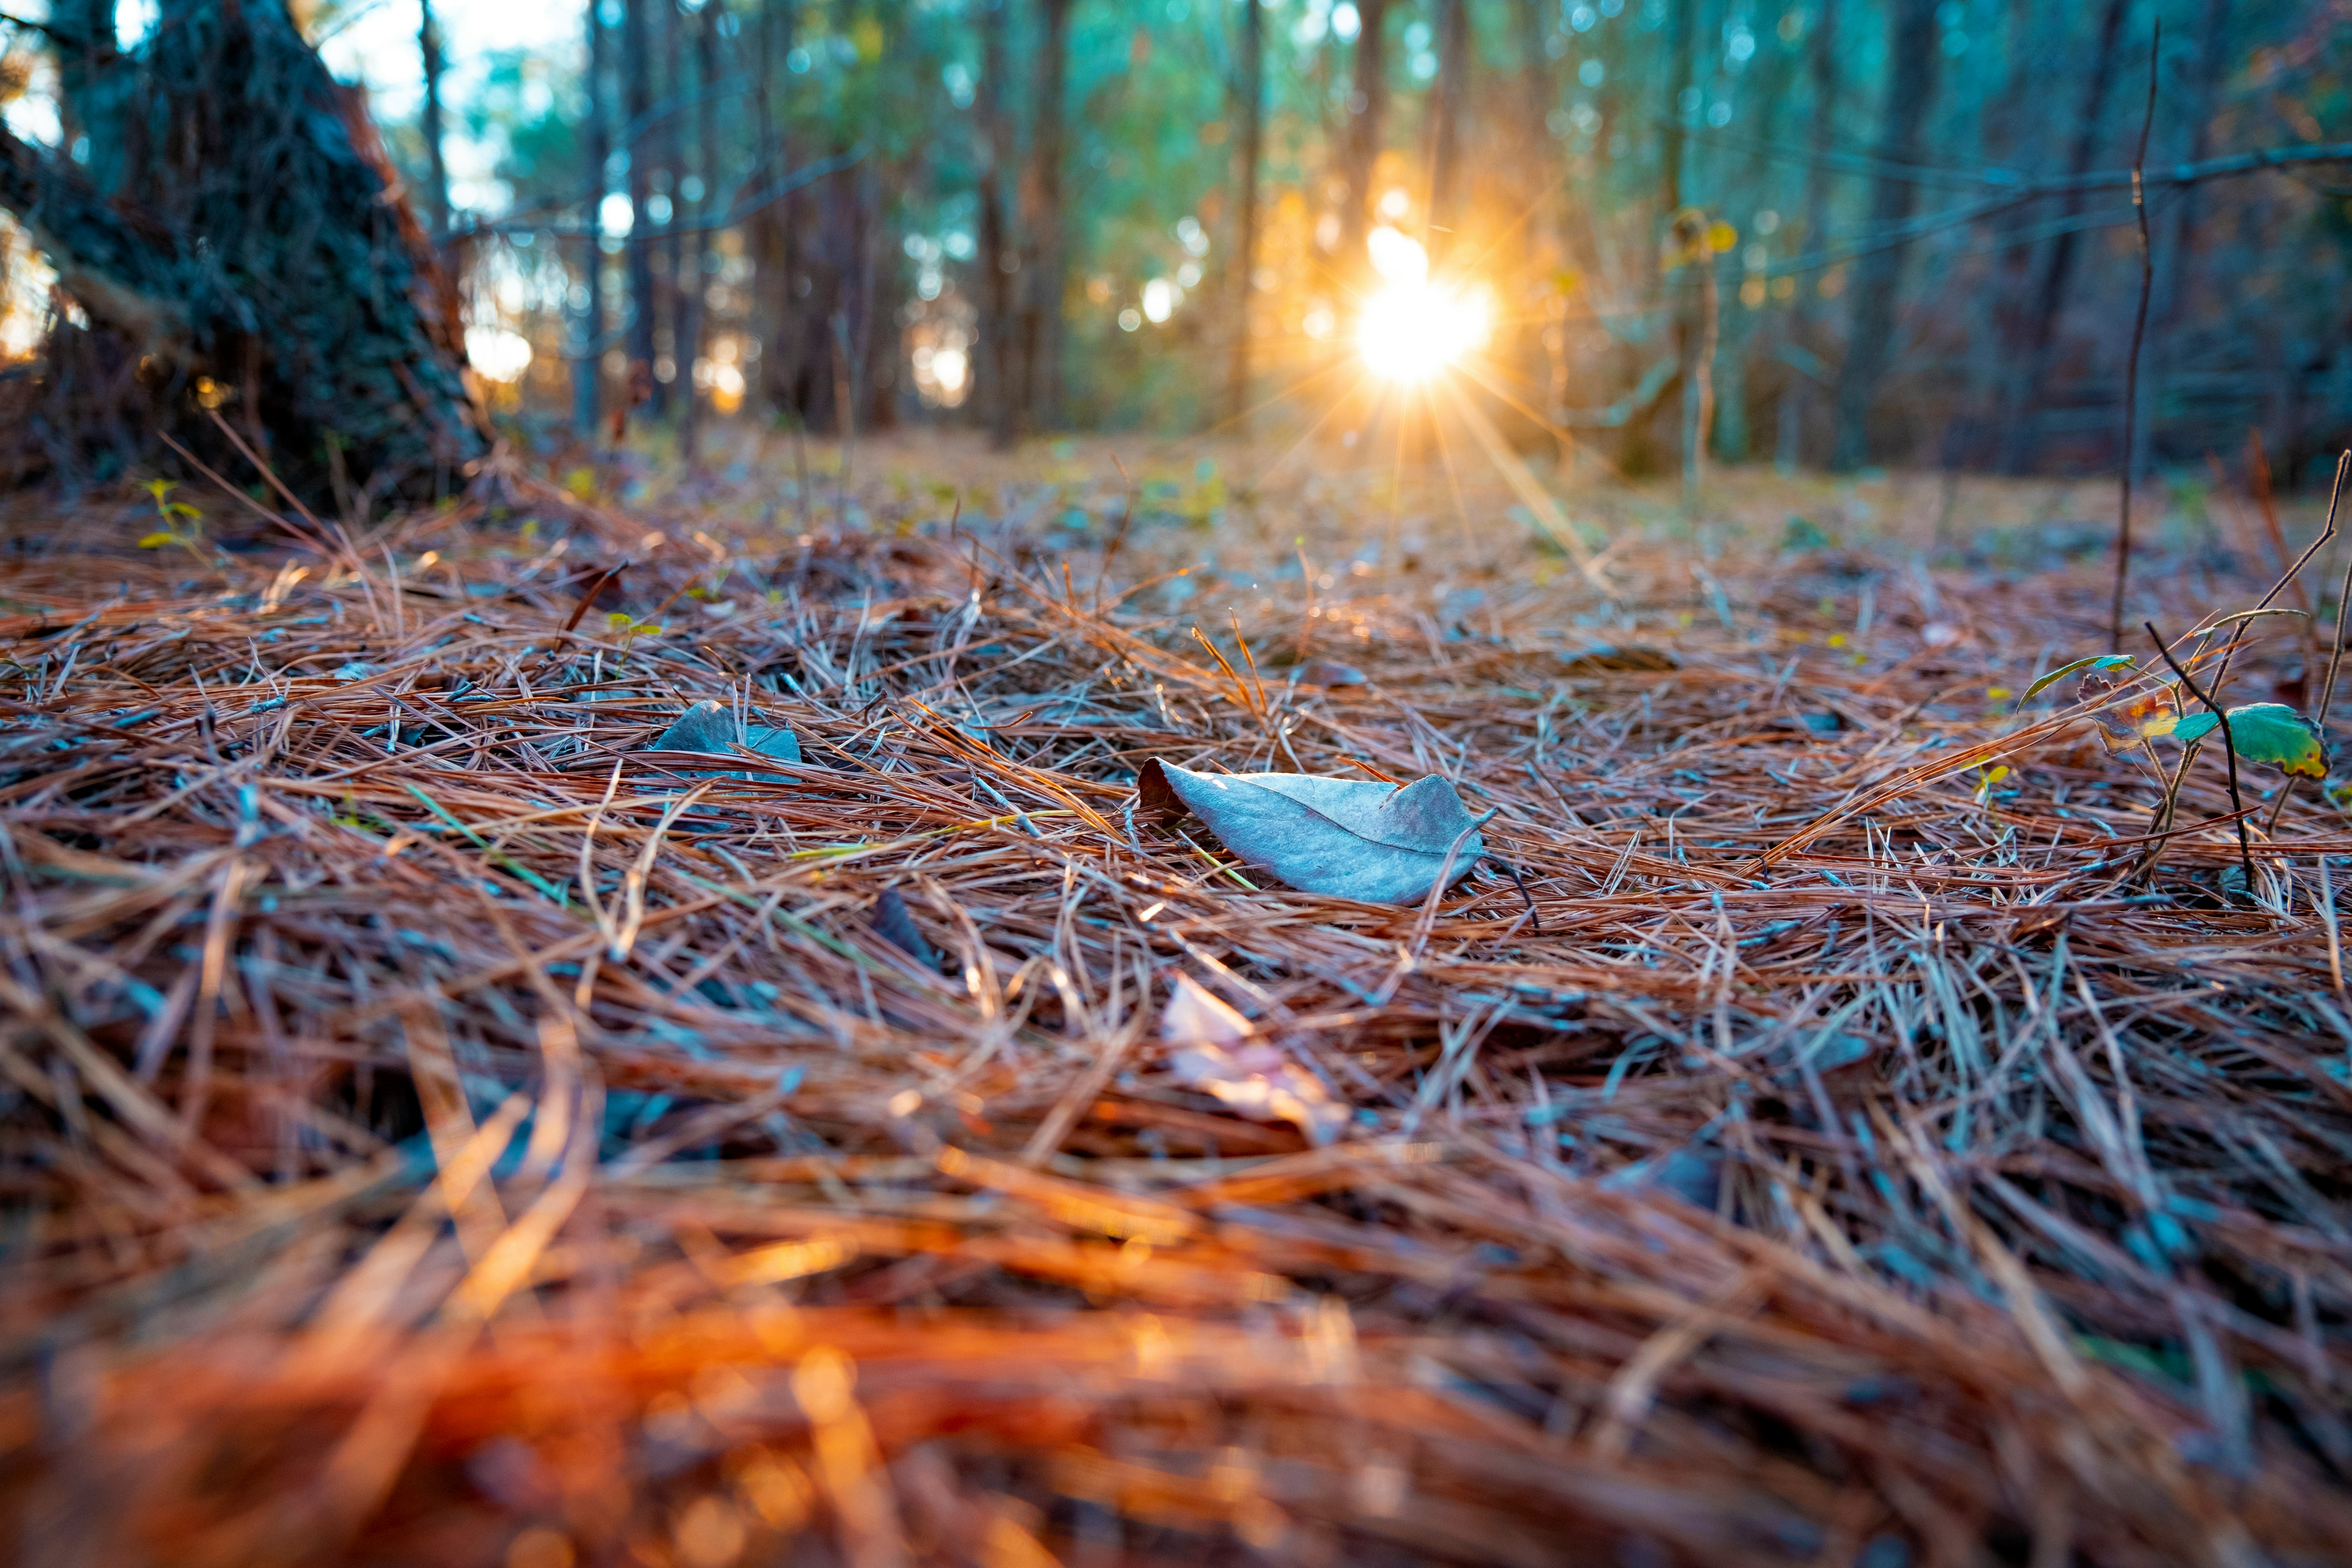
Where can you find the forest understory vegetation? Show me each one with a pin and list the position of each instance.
(1841, 1116)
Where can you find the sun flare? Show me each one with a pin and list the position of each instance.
(1411, 330)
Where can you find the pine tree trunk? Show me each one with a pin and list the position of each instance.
(996, 383)
(1870, 339)
(669, 392)
(436, 170)
(772, 287)
(250, 256)
(637, 103)
(1048, 265)
(701, 253)
(1822, 63)
(1446, 203)
(2038, 350)
(1544, 360)
(1368, 103)
(587, 370)
(1250, 154)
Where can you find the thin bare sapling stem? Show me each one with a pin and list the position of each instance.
(2131, 374)
(2336, 658)
(2229, 753)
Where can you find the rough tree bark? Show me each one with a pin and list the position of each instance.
(1870, 339)
(1252, 152)
(251, 256)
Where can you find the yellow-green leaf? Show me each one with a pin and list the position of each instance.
(2269, 733)
(2276, 733)
(158, 540)
(2194, 727)
(2097, 661)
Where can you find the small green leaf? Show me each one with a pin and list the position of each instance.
(2269, 733)
(2276, 733)
(156, 541)
(2097, 661)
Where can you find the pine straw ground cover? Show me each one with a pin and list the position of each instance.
(437, 1130)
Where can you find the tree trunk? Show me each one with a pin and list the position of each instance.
(701, 253)
(771, 236)
(1545, 363)
(93, 83)
(2036, 354)
(1823, 60)
(436, 170)
(1446, 203)
(1367, 106)
(1682, 46)
(587, 370)
(637, 102)
(1251, 152)
(996, 376)
(1686, 281)
(1870, 339)
(2176, 245)
(1048, 264)
(670, 392)
(253, 250)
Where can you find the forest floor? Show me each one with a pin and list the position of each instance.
(438, 1126)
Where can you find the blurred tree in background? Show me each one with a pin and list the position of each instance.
(1831, 232)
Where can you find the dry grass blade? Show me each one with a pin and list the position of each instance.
(440, 1127)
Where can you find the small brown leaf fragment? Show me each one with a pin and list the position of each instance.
(1210, 1050)
(1156, 799)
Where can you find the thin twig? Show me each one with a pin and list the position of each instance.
(2228, 751)
(2336, 658)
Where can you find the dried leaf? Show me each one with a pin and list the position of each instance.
(1212, 1050)
(1329, 673)
(2132, 720)
(1346, 839)
(708, 728)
